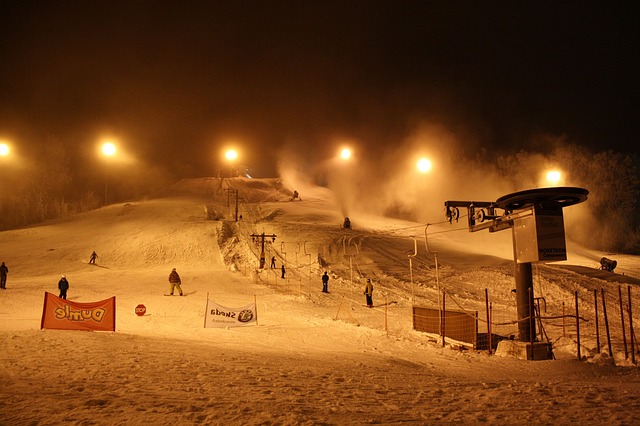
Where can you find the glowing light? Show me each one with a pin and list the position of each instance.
(4, 149)
(231, 154)
(109, 149)
(554, 176)
(345, 154)
(424, 165)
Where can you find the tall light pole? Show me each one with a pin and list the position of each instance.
(108, 150)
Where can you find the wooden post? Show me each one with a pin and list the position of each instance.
(206, 311)
(486, 302)
(606, 323)
(339, 306)
(490, 327)
(443, 316)
(578, 326)
(564, 327)
(624, 332)
(386, 326)
(632, 336)
(532, 329)
(595, 301)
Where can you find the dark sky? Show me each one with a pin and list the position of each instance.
(173, 80)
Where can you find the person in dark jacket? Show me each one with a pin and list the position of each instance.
(63, 286)
(93, 258)
(3, 276)
(368, 292)
(284, 271)
(174, 282)
(325, 282)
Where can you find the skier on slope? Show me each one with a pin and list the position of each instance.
(63, 286)
(174, 282)
(325, 282)
(368, 292)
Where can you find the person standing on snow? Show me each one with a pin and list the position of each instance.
(3, 276)
(63, 286)
(273, 262)
(174, 282)
(325, 282)
(93, 258)
(368, 292)
(283, 271)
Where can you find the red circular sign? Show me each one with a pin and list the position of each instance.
(141, 310)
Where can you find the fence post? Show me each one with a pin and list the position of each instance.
(578, 326)
(632, 336)
(531, 322)
(490, 327)
(486, 302)
(624, 332)
(442, 316)
(606, 323)
(386, 325)
(339, 306)
(564, 328)
(595, 301)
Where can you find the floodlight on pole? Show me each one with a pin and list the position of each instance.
(554, 176)
(108, 149)
(345, 153)
(424, 165)
(231, 155)
(4, 149)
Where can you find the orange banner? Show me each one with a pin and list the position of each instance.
(61, 314)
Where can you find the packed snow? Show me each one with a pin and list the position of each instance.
(312, 358)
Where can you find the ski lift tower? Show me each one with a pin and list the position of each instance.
(537, 223)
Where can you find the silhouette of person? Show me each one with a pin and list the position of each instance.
(368, 292)
(3, 276)
(325, 282)
(283, 271)
(273, 262)
(63, 286)
(93, 258)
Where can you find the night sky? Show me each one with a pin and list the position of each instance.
(175, 81)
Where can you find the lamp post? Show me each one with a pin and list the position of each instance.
(108, 150)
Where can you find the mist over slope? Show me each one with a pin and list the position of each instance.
(313, 357)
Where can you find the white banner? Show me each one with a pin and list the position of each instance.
(220, 316)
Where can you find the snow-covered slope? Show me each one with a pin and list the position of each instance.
(313, 358)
